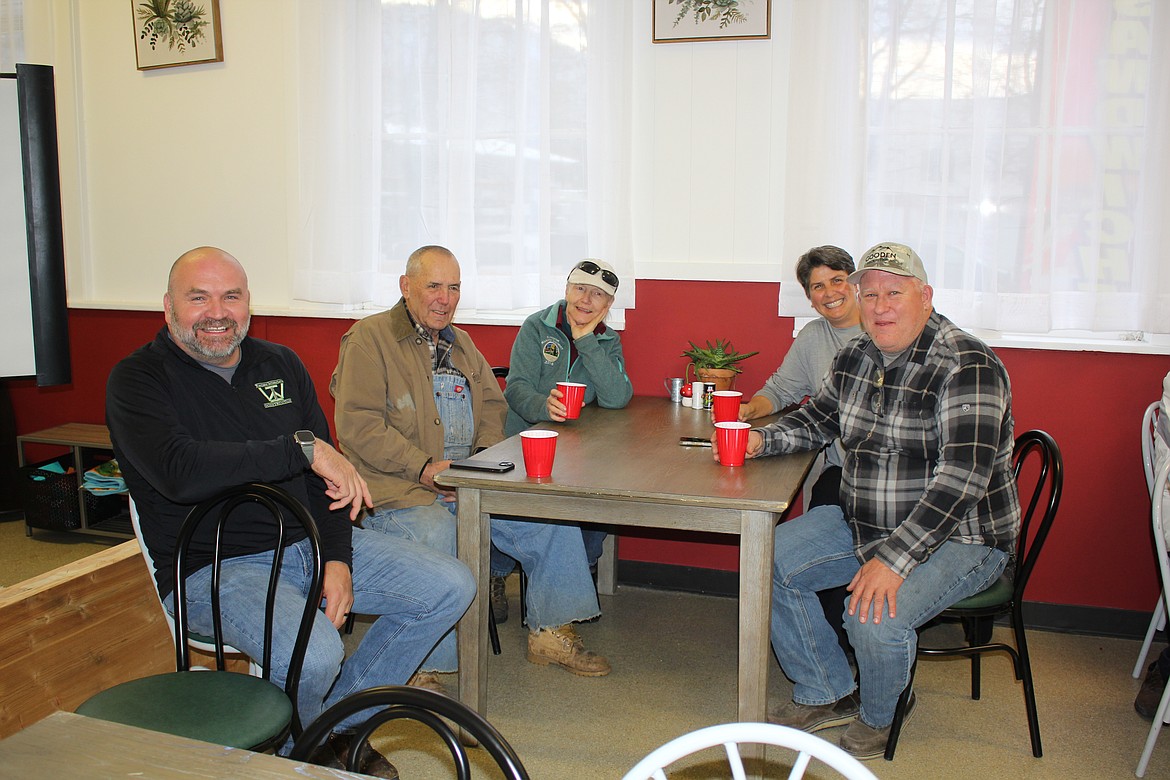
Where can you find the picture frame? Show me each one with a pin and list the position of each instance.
(679, 21)
(169, 33)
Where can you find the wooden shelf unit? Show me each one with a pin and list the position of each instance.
(78, 437)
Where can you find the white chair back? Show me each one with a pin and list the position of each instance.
(732, 735)
(1149, 449)
(1159, 523)
(198, 644)
(1149, 435)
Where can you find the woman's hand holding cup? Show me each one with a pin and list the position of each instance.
(556, 408)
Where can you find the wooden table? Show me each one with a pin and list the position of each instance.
(625, 467)
(69, 745)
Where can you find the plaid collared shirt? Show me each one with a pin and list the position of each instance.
(928, 444)
(440, 348)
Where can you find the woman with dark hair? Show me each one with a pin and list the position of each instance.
(823, 272)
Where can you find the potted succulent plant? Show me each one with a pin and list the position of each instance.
(718, 363)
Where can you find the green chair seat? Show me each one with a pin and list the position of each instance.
(225, 708)
(1000, 593)
(222, 707)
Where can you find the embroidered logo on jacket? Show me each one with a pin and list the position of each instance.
(273, 392)
(551, 350)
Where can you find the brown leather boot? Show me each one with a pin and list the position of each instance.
(334, 753)
(428, 680)
(562, 646)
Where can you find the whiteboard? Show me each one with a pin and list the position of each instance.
(17, 356)
(35, 339)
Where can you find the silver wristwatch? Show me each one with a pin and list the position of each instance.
(306, 439)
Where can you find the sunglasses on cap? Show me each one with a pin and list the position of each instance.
(593, 269)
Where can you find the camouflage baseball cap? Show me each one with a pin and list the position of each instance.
(893, 259)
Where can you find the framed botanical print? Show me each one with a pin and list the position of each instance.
(708, 20)
(176, 32)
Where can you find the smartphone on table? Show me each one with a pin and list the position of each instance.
(472, 464)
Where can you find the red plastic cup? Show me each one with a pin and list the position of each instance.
(573, 396)
(539, 448)
(731, 438)
(725, 405)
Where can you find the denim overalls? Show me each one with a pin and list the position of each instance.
(453, 400)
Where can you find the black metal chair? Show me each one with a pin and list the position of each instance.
(418, 704)
(501, 373)
(222, 707)
(1005, 596)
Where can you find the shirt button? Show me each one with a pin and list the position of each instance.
(438, 421)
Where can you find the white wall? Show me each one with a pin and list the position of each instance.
(157, 162)
(709, 155)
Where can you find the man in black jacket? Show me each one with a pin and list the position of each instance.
(204, 407)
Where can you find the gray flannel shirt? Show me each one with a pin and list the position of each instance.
(928, 444)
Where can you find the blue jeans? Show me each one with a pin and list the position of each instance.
(560, 589)
(814, 552)
(417, 593)
(502, 565)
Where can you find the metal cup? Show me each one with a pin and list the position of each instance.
(674, 387)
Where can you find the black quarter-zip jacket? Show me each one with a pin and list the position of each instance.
(182, 434)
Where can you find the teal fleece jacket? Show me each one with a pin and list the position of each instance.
(540, 359)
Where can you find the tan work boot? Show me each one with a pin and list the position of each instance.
(563, 647)
(428, 680)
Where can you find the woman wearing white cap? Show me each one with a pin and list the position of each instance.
(567, 342)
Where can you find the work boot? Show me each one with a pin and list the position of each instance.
(864, 742)
(499, 600)
(428, 680)
(334, 753)
(814, 717)
(1150, 694)
(562, 646)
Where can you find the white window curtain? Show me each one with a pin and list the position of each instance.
(497, 128)
(11, 34)
(1019, 145)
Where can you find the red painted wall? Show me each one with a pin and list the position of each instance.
(1099, 554)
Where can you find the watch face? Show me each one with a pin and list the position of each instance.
(305, 437)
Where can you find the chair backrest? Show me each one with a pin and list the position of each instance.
(732, 735)
(1035, 450)
(1149, 433)
(136, 524)
(1159, 523)
(283, 508)
(196, 640)
(394, 702)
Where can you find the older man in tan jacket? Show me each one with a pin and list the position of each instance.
(413, 394)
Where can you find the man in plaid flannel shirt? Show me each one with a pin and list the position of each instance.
(929, 510)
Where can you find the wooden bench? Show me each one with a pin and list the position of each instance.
(77, 630)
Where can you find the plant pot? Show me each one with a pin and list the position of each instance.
(723, 378)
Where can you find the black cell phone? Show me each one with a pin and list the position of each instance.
(693, 441)
(496, 467)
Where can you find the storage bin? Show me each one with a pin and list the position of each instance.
(50, 498)
(108, 510)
